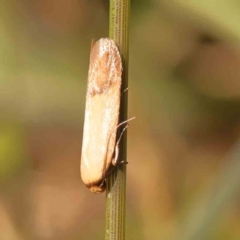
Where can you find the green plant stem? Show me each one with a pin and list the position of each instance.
(116, 182)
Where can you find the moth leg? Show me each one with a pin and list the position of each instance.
(103, 182)
(115, 160)
(120, 124)
(111, 170)
(126, 89)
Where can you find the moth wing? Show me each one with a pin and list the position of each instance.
(102, 112)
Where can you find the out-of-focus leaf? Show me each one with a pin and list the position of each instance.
(220, 18)
(11, 149)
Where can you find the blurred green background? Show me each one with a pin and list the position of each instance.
(183, 171)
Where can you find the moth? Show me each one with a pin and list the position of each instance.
(101, 113)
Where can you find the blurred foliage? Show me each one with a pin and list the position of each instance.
(12, 148)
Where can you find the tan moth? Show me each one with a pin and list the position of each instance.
(101, 113)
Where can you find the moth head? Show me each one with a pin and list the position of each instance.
(97, 189)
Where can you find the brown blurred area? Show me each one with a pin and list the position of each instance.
(184, 91)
